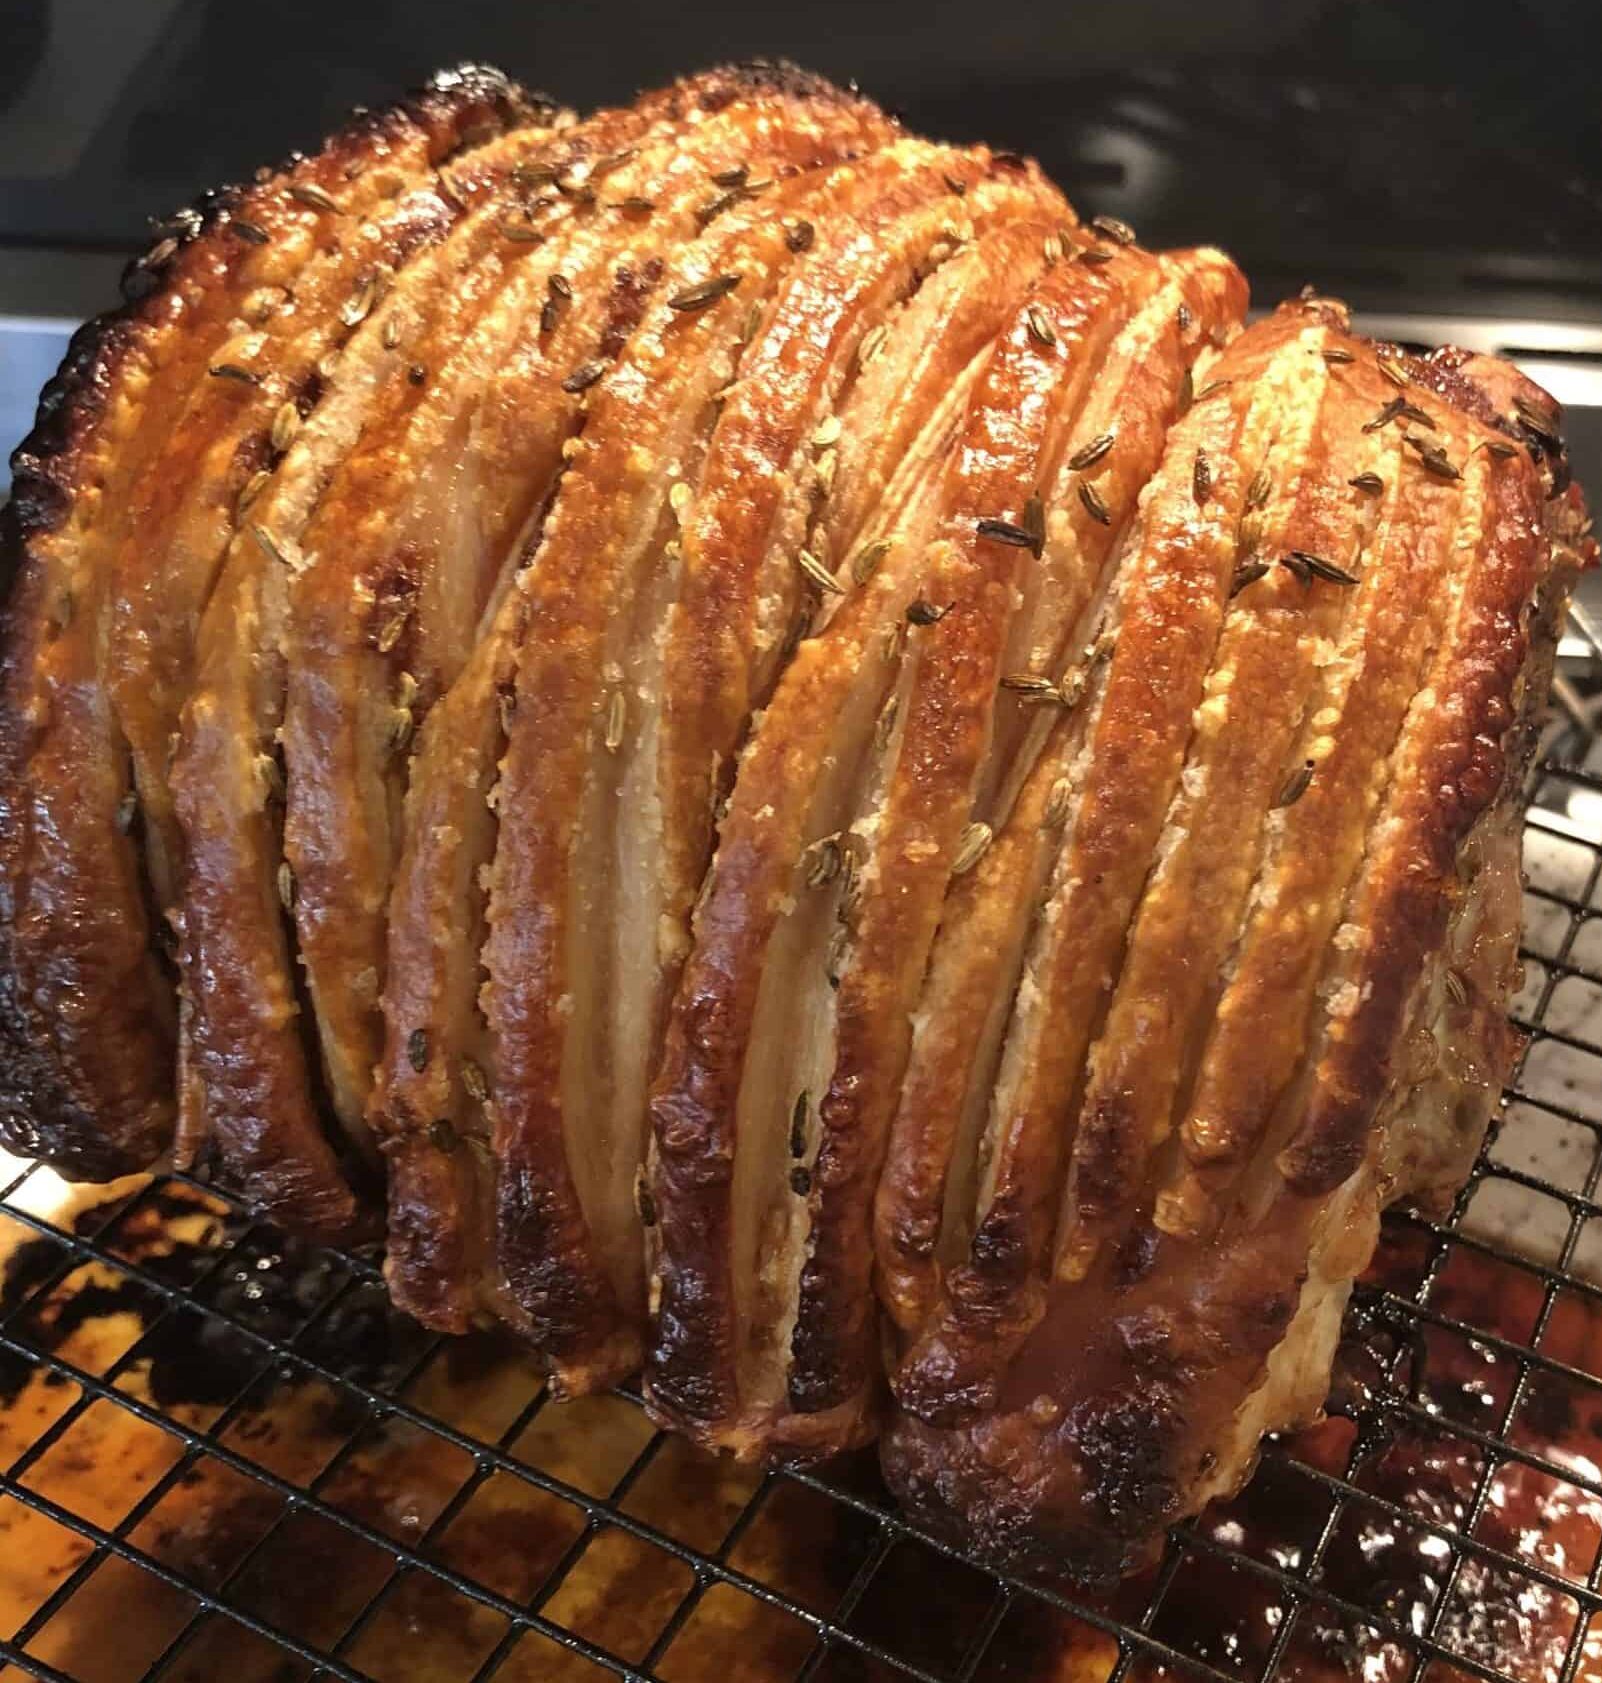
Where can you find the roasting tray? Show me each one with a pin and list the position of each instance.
(225, 1457)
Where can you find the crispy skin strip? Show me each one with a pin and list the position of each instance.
(739, 1227)
(717, 1318)
(923, 1207)
(886, 406)
(87, 1015)
(239, 432)
(756, 484)
(1451, 765)
(438, 1198)
(923, 1210)
(185, 508)
(1171, 596)
(1132, 399)
(727, 1256)
(245, 1076)
(1144, 1390)
(420, 534)
(1247, 744)
(562, 988)
(1244, 1074)
(739, 578)
(1018, 429)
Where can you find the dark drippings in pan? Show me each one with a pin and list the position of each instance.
(311, 1579)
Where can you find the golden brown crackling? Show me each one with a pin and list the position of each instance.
(783, 789)
(888, 399)
(1003, 192)
(233, 433)
(440, 1181)
(922, 1206)
(702, 1333)
(450, 837)
(406, 568)
(1017, 428)
(1146, 1383)
(802, 369)
(243, 1014)
(1452, 766)
(602, 530)
(1169, 607)
(717, 1348)
(242, 1048)
(1431, 530)
(891, 383)
(426, 314)
(1247, 744)
(764, 472)
(1097, 1442)
(1194, 305)
(124, 383)
(313, 267)
(923, 1203)
(564, 1108)
(714, 674)
(246, 674)
(402, 566)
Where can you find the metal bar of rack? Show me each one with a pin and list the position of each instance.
(866, 1549)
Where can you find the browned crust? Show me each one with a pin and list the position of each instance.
(554, 860)
(1017, 428)
(85, 1014)
(887, 406)
(1147, 1380)
(1170, 597)
(695, 1354)
(1082, 1489)
(927, 1188)
(234, 931)
(434, 1132)
(315, 255)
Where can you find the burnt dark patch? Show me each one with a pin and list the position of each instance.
(723, 86)
(1122, 1442)
(1135, 1255)
(625, 305)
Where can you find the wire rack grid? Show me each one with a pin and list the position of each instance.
(199, 1414)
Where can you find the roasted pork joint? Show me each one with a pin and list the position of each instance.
(804, 773)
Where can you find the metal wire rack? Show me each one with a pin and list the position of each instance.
(224, 1453)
